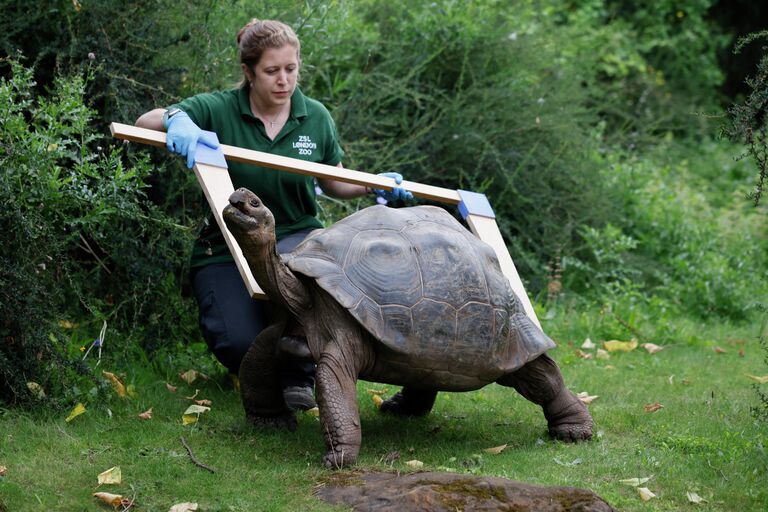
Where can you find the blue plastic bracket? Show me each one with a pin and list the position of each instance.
(474, 203)
(207, 155)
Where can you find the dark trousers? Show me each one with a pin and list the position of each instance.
(230, 319)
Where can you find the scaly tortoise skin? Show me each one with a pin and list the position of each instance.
(401, 296)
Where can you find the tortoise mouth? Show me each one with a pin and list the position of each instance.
(238, 214)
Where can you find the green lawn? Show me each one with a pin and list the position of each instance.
(703, 440)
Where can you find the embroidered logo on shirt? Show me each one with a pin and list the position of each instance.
(304, 145)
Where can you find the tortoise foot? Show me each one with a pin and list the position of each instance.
(568, 418)
(281, 422)
(409, 402)
(340, 457)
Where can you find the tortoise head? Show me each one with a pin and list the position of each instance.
(248, 218)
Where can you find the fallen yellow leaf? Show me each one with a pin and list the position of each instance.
(620, 346)
(377, 391)
(377, 401)
(602, 354)
(111, 476)
(66, 324)
(761, 380)
(584, 355)
(36, 389)
(313, 412)
(146, 415)
(645, 493)
(652, 348)
(416, 464)
(189, 376)
(115, 500)
(496, 449)
(119, 387)
(204, 402)
(183, 507)
(197, 391)
(719, 350)
(3, 470)
(170, 388)
(695, 498)
(77, 411)
(634, 482)
(653, 407)
(192, 414)
(588, 344)
(586, 398)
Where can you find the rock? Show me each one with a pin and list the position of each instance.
(449, 492)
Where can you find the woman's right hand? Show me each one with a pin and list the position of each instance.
(183, 135)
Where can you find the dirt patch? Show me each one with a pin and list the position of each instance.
(449, 492)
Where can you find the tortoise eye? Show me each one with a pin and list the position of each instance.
(255, 203)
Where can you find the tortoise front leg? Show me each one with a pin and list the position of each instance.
(337, 399)
(541, 382)
(260, 387)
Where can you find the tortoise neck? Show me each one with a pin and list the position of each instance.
(278, 281)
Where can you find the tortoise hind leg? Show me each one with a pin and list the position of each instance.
(410, 402)
(541, 382)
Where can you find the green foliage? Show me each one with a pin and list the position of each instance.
(672, 241)
(80, 242)
(748, 121)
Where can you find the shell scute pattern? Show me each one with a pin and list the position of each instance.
(424, 286)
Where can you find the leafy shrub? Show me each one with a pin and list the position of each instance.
(80, 242)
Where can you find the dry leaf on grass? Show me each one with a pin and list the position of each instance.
(584, 355)
(146, 415)
(192, 414)
(588, 344)
(652, 348)
(415, 464)
(760, 380)
(111, 476)
(193, 396)
(586, 398)
(602, 354)
(36, 390)
(204, 402)
(645, 493)
(77, 411)
(183, 507)
(381, 391)
(3, 470)
(189, 376)
(313, 412)
(620, 346)
(116, 500)
(119, 387)
(496, 449)
(377, 401)
(653, 407)
(719, 350)
(695, 498)
(635, 482)
(170, 388)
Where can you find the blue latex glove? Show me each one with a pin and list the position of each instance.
(397, 192)
(183, 135)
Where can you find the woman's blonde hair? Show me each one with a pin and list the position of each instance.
(259, 35)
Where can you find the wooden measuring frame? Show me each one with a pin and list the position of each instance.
(212, 174)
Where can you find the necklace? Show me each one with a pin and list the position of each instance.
(272, 122)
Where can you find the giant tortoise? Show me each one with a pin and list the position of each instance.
(402, 296)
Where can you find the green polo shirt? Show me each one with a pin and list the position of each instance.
(309, 134)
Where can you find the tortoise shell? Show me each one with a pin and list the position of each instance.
(424, 286)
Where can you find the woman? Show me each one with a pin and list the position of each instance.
(269, 113)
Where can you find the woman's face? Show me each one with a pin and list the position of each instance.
(273, 78)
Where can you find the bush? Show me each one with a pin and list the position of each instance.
(80, 242)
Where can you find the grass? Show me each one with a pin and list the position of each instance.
(703, 440)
